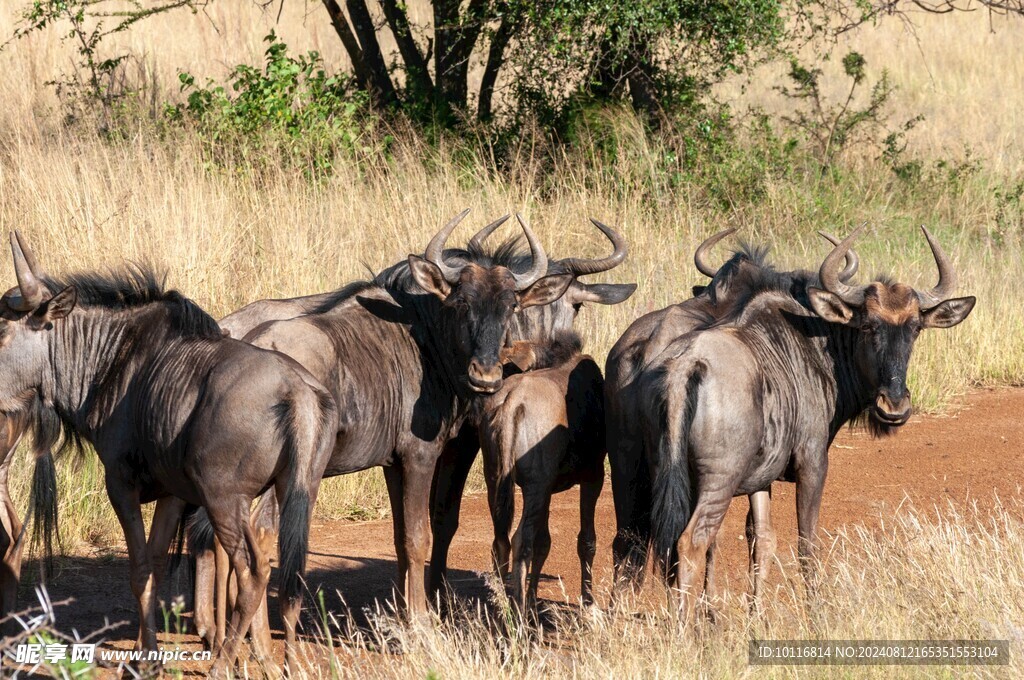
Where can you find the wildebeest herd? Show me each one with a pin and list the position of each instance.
(229, 426)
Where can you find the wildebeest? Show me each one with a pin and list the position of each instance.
(644, 340)
(404, 355)
(177, 414)
(544, 431)
(760, 392)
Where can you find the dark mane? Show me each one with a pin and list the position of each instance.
(748, 274)
(137, 286)
(756, 255)
(563, 346)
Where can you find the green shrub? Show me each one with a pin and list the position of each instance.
(290, 110)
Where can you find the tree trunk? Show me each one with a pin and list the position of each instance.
(417, 74)
(379, 80)
(643, 89)
(495, 60)
(344, 32)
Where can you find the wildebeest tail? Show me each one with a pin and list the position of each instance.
(671, 504)
(188, 537)
(198, 531)
(43, 504)
(308, 426)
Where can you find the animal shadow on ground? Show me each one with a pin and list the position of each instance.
(99, 594)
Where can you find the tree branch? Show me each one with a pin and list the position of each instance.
(495, 60)
(376, 68)
(344, 31)
(415, 63)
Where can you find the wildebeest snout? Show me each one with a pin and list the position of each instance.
(893, 406)
(484, 378)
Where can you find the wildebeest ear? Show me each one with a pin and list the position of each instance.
(429, 276)
(57, 307)
(602, 293)
(948, 313)
(699, 290)
(829, 306)
(545, 291)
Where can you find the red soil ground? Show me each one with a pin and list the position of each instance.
(969, 454)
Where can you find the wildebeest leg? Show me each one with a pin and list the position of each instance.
(222, 568)
(501, 502)
(535, 502)
(393, 478)
(11, 544)
(128, 509)
(693, 545)
(810, 481)
(264, 521)
(205, 592)
(760, 543)
(162, 531)
(586, 541)
(710, 586)
(541, 548)
(251, 566)
(12, 538)
(446, 501)
(417, 475)
(631, 492)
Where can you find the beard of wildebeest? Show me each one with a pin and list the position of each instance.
(760, 395)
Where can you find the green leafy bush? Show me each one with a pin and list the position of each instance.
(290, 110)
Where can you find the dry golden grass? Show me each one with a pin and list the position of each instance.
(959, 71)
(939, 573)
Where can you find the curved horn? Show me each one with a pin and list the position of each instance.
(700, 255)
(477, 242)
(830, 276)
(540, 259)
(29, 288)
(435, 249)
(29, 257)
(581, 266)
(944, 289)
(852, 261)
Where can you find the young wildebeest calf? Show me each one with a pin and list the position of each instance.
(760, 392)
(543, 431)
(177, 414)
